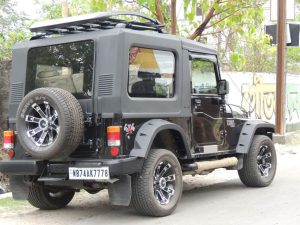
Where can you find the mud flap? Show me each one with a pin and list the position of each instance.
(18, 187)
(120, 191)
(240, 164)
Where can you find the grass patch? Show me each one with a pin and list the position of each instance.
(10, 203)
(10, 207)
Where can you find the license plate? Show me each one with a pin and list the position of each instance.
(99, 173)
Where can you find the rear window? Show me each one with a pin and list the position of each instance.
(67, 66)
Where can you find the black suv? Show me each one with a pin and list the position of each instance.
(104, 101)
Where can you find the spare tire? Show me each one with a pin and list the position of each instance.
(50, 123)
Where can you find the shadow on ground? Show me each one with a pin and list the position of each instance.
(86, 208)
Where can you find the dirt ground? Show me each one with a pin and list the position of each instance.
(95, 209)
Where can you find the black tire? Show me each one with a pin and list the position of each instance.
(144, 198)
(49, 199)
(66, 131)
(256, 171)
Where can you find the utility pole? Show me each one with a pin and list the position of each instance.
(281, 76)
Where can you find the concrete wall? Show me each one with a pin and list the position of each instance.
(257, 94)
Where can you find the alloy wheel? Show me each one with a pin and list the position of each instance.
(42, 124)
(164, 182)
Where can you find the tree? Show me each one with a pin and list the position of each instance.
(12, 28)
(236, 25)
(53, 9)
(225, 14)
(207, 18)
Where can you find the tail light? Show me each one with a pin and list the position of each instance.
(11, 153)
(114, 151)
(8, 143)
(8, 139)
(113, 136)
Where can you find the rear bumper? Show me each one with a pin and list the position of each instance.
(34, 167)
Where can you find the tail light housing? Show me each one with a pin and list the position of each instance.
(8, 139)
(114, 139)
(8, 143)
(113, 136)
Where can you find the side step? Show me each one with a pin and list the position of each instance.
(211, 165)
(189, 167)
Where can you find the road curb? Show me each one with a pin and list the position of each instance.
(290, 138)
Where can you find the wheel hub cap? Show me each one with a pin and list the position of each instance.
(264, 160)
(42, 124)
(164, 182)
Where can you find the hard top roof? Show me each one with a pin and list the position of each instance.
(107, 21)
(95, 21)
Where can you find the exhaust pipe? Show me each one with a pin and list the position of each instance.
(207, 166)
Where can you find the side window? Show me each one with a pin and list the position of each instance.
(203, 77)
(151, 73)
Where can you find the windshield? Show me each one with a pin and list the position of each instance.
(67, 66)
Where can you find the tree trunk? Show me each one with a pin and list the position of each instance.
(173, 17)
(158, 11)
(65, 9)
(202, 26)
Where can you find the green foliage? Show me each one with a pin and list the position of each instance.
(293, 53)
(259, 55)
(189, 9)
(9, 19)
(12, 28)
(202, 66)
(236, 25)
(50, 9)
(237, 61)
(9, 41)
(293, 60)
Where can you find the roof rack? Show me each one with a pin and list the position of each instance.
(92, 22)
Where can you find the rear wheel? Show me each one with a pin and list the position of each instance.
(158, 188)
(45, 198)
(260, 163)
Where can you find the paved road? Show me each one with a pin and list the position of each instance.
(218, 198)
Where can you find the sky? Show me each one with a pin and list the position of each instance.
(29, 7)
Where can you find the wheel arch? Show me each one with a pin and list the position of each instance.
(153, 132)
(251, 128)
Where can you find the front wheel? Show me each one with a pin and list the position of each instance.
(45, 198)
(157, 190)
(260, 163)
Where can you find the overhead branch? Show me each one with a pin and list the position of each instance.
(202, 26)
(158, 11)
(215, 32)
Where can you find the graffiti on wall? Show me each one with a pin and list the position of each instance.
(293, 102)
(259, 98)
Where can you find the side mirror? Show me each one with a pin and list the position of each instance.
(223, 87)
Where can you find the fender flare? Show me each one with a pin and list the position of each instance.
(148, 131)
(247, 133)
